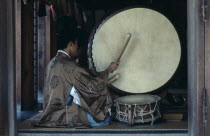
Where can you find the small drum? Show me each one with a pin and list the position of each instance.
(138, 108)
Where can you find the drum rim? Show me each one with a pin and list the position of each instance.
(157, 99)
(95, 28)
(91, 64)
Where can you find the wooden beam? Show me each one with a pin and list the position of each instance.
(195, 67)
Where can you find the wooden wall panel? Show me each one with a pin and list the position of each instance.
(27, 94)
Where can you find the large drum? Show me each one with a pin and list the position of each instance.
(138, 108)
(151, 57)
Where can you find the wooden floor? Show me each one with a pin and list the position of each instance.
(172, 125)
(115, 128)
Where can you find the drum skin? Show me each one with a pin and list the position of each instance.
(138, 99)
(151, 57)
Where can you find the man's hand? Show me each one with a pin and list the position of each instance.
(113, 66)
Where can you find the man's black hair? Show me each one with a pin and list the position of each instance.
(66, 31)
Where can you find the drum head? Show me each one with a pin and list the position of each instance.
(151, 57)
(138, 99)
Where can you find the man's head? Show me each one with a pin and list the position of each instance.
(68, 36)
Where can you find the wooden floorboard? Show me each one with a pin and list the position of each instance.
(171, 128)
(115, 128)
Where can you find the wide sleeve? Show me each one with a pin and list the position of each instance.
(75, 73)
(84, 78)
(92, 90)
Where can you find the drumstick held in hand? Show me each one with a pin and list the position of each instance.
(125, 45)
(113, 79)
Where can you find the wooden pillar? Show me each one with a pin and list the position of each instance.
(7, 68)
(207, 70)
(18, 55)
(43, 50)
(196, 67)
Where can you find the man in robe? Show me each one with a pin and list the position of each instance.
(73, 96)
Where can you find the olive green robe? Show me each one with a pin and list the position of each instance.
(62, 73)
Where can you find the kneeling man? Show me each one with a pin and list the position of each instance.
(73, 96)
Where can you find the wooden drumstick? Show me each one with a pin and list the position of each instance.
(113, 79)
(125, 45)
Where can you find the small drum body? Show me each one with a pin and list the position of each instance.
(138, 108)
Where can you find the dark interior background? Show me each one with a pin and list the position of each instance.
(88, 14)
